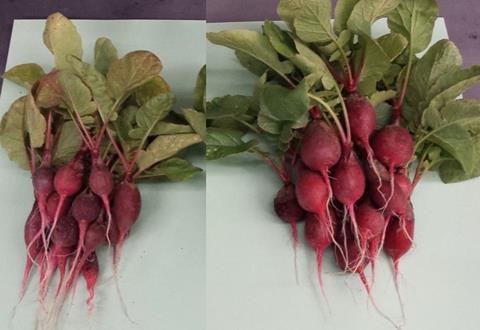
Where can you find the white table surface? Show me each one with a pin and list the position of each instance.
(250, 275)
(162, 272)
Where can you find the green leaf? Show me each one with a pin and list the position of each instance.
(105, 55)
(200, 90)
(384, 113)
(97, 84)
(24, 74)
(228, 106)
(451, 171)
(376, 63)
(251, 63)
(414, 19)
(281, 106)
(366, 12)
(288, 9)
(154, 87)
(76, 94)
(253, 44)
(343, 10)
(131, 71)
(154, 110)
(222, 142)
(174, 169)
(465, 113)
(165, 146)
(35, 123)
(47, 91)
(197, 120)
(67, 145)
(12, 133)
(393, 44)
(279, 39)
(62, 39)
(311, 63)
(381, 96)
(312, 23)
(161, 128)
(456, 140)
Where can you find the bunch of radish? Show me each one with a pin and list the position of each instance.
(88, 134)
(344, 116)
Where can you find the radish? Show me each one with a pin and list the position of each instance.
(86, 208)
(68, 182)
(101, 183)
(53, 203)
(393, 146)
(34, 245)
(320, 149)
(396, 204)
(399, 237)
(348, 184)
(312, 191)
(127, 203)
(287, 208)
(90, 272)
(319, 237)
(43, 186)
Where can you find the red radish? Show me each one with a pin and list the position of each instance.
(371, 224)
(68, 182)
(43, 186)
(86, 209)
(34, 245)
(348, 185)
(101, 183)
(52, 205)
(404, 184)
(393, 146)
(127, 203)
(319, 237)
(90, 272)
(399, 237)
(287, 208)
(321, 148)
(312, 191)
(396, 204)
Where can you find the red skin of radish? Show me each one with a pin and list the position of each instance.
(43, 186)
(66, 233)
(319, 235)
(398, 237)
(348, 184)
(397, 205)
(353, 256)
(372, 177)
(90, 272)
(362, 119)
(33, 244)
(321, 148)
(287, 208)
(370, 222)
(127, 203)
(393, 146)
(52, 204)
(404, 184)
(348, 181)
(68, 182)
(312, 191)
(101, 183)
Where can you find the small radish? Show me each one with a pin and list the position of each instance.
(52, 205)
(396, 204)
(34, 245)
(399, 238)
(320, 149)
(287, 208)
(43, 186)
(127, 203)
(404, 184)
(101, 183)
(68, 182)
(86, 208)
(393, 146)
(90, 272)
(312, 191)
(348, 185)
(319, 237)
